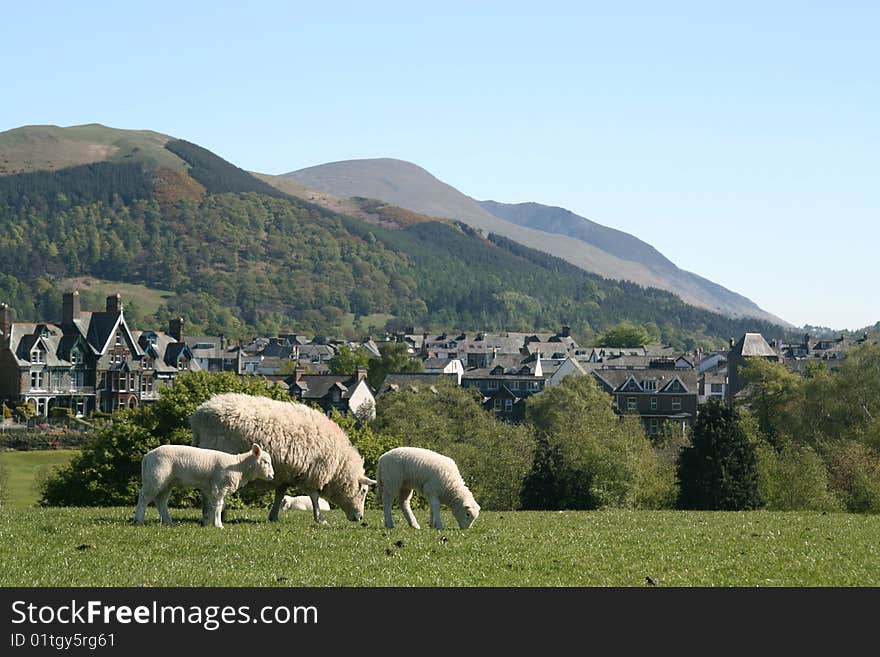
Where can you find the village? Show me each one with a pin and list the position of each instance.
(92, 361)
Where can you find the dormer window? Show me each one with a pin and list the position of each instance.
(118, 338)
(76, 357)
(649, 385)
(38, 355)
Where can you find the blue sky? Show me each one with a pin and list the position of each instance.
(739, 139)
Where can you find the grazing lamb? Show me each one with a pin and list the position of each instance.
(303, 503)
(404, 469)
(311, 451)
(215, 473)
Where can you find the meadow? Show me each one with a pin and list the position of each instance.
(98, 547)
(23, 472)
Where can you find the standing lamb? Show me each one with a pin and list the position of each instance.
(303, 503)
(404, 469)
(311, 451)
(215, 474)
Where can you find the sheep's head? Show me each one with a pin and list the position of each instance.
(352, 499)
(466, 513)
(263, 467)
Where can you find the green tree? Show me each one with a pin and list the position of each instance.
(494, 456)
(719, 470)
(794, 478)
(624, 334)
(588, 456)
(394, 358)
(347, 360)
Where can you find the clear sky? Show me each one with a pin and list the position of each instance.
(740, 139)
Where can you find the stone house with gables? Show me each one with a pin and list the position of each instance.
(658, 395)
(89, 361)
(507, 383)
(347, 393)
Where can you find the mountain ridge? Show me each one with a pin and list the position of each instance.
(410, 186)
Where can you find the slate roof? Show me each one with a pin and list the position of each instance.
(412, 381)
(318, 386)
(752, 344)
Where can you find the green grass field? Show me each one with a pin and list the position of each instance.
(521, 549)
(24, 471)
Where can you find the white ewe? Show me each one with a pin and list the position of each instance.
(303, 503)
(215, 474)
(311, 451)
(404, 469)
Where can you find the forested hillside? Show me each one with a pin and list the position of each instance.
(242, 258)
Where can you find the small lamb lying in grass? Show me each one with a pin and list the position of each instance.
(404, 469)
(216, 474)
(303, 503)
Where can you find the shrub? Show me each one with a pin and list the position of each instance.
(588, 456)
(794, 479)
(855, 476)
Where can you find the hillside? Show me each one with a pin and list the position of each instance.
(238, 256)
(49, 148)
(590, 246)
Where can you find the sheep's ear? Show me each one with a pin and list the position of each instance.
(367, 481)
(255, 450)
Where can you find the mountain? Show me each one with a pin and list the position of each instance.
(234, 255)
(586, 244)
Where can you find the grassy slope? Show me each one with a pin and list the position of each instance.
(605, 548)
(24, 470)
(148, 299)
(49, 147)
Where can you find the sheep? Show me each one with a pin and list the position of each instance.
(401, 470)
(215, 473)
(310, 450)
(303, 503)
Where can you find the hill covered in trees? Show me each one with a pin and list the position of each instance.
(241, 257)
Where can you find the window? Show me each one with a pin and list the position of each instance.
(80, 407)
(36, 379)
(493, 385)
(514, 385)
(508, 405)
(38, 356)
(654, 426)
(717, 388)
(56, 380)
(649, 385)
(653, 403)
(118, 339)
(77, 379)
(146, 385)
(676, 403)
(631, 403)
(534, 385)
(497, 404)
(76, 357)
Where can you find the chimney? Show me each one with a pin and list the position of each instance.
(175, 329)
(361, 372)
(69, 307)
(5, 322)
(565, 332)
(732, 343)
(114, 303)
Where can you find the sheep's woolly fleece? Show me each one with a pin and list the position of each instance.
(308, 449)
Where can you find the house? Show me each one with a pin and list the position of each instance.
(90, 360)
(165, 356)
(347, 393)
(658, 395)
(507, 383)
(444, 366)
(749, 346)
(556, 369)
(213, 354)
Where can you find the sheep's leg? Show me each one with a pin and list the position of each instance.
(316, 507)
(207, 512)
(404, 501)
(219, 500)
(144, 499)
(162, 505)
(434, 501)
(387, 502)
(280, 492)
